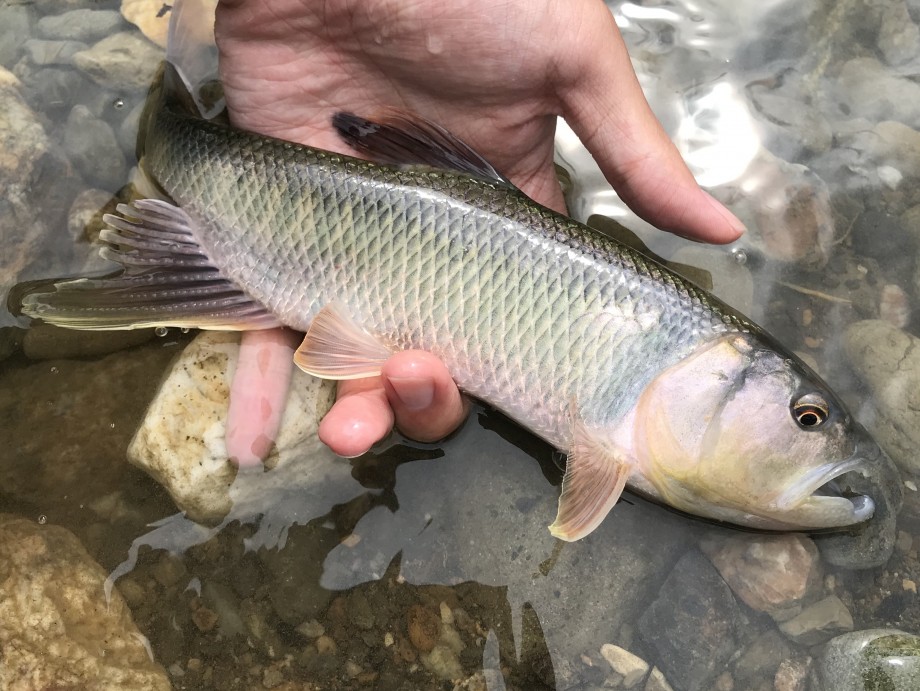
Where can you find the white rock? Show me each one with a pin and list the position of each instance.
(56, 628)
(181, 441)
(657, 682)
(631, 667)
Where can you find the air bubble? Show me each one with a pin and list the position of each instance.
(54, 370)
(111, 425)
(740, 256)
(42, 519)
(118, 103)
(161, 331)
(184, 329)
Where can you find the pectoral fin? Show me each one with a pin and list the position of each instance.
(594, 479)
(336, 347)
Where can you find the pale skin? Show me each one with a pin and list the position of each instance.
(495, 73)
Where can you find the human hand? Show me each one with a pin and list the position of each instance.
(497, 75)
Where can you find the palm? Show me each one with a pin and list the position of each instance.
(494, 83)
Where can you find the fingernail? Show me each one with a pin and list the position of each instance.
(415, 393)
(733, 221)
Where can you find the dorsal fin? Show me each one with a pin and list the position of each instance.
(404, 139)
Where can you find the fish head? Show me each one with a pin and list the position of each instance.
(740, 432)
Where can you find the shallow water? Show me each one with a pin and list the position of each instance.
(430, 566)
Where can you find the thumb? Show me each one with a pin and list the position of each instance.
(604, 104)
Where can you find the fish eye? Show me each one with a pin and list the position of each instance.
(810, 411)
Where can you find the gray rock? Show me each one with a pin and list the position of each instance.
(799, 126)
(23, 146)
(762, 658)
(819, 623)
(53, 90)
(870, 90)
(93, 148)
(53, 600)
(46, 53)
(80, 25)
(694, 626)
(54, 6)
(899, 36)
(16, 21)
(122, 61)
(872, 660)
(888, 360)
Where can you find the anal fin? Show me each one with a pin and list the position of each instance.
(336, 347)
(167, 280)
(596, 473)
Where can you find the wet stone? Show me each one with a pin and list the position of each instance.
(122, 61)
(769, 574)
(79, 25)
(819, 623)
(93, 148)
(42, 53)
(359, 611)
(15, 28)
(53, 600)
(792, 675)
(424, 627)
(872, 660)
(694, 626)
(762, 658)
(630, 667)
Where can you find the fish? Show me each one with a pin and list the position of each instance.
(639, 376)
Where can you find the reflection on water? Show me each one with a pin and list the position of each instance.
(423, 567)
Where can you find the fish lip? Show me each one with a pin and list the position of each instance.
(817, 478)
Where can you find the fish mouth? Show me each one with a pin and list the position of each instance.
(823, 499)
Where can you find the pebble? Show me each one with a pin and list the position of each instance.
(15, 29)
(205, 619)
(122, 61)
(631, 667)
(91, 145)
(898, 36)
(894, 305)
(79, 25)
(325, 645)
(657, 681)
(44, 53)
(769, 574)
(792, 674)
(871, 660)
(311, 629)
(424, 627)
(866, 86)
(819, 623)
(443, 662)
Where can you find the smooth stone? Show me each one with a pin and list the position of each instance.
(772, 574)
(657, 681)
(43, 53)
(695, 625)
(84, 220)
(793, 674)
(79, 25)
(57, 629)
(630, 667)
(888, 143)
(887, 359)
(16, 21)
(898, 36)
(48, 342)
(23, 147)
(798, 126)
(121, 61)
(93, 148)
(53, 90)
(819, 623)
(55, 6)
(871, 660)
(870, 90)
(762, 658)
(181, 440)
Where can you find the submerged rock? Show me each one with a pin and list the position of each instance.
(181, 440)
(888, 360)
(56, 628)
(872, 660)
(121, 61)
(819, 622)
(15, 28)
(695, 625)
(79, 25)
(772, 574)
(93, 148)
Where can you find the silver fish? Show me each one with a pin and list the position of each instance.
(637, 374)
